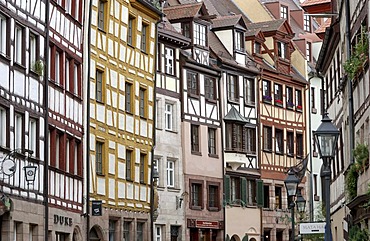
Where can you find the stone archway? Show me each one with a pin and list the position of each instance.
(77, 236)
(235, 238)
(96, 234)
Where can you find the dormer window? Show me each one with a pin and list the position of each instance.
(281, 50)
(200, 34)
(239, 41)
(284, 12)
(307, 23)
(185, 27)
(257, 48)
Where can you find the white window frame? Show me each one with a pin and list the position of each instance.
(170, 173)
(307, 23)
(75, 79)
(284, 12)
(18, 133)
(57, 67)
(67, 155)
(168, 116)
(67, 74)
(200, 34)
(282, 48)
(68, 6)
(18, 44)
(3, 126)
(156, 168)
(32, 49)
(169, 56)
(75, 172)
(3, 34)
(32, 138)
(57, 150)
(239, 45)
(158, 233)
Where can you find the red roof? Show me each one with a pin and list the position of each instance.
(314, 2)
(182, 11)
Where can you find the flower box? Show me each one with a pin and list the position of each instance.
(299, 107)
(279, 101)
(267, 98)
(290, 104)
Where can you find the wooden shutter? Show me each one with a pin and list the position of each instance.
(226, 189)
(244, 197)
(259, 193)
(244, 134)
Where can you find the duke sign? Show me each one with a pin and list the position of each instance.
(311, 228)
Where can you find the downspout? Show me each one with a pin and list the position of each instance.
(46, 125)
(87, 131)
(310, 144)
(349, 85)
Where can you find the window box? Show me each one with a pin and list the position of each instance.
(299, 107)
(267, 98)
(290, 104)
(278, 102)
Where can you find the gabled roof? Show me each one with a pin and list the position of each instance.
(228, 21)
(185, 11)
(234, 115)
(167, 31)
(268, 26)
(225, 8)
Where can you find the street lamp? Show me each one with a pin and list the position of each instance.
(301, 202)
(291, 185)
(326, 138)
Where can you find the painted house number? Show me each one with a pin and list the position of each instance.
(62, 220)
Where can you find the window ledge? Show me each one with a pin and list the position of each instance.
(213, 209)
(213, 155)
(266, 150)
(173, 189)
(19, 66)
(194, 96)
(279, 153)
(196, 153)
(4, 58)
(211, 100)
(196, 208)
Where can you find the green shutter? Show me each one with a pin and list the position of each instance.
(226, 190)
(259, 193)
(227, 238)
(244, 191)
(245, 238)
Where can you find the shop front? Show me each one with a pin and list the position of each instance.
(203, 230)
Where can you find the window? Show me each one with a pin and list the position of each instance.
(235, 189)
(266, 196)
(298, 99)
(250, 140)
(290, 143)
(239, 41)
(144, 36)
(168, 116)
(3, 35)
(3, 127)
(192, 80)
(130, 35)
(212, 141)
(67, 74)
(142, 102)
(281, 50)
(278, 204)
(278, 95)
(61, 236)
(170, 174)
(289, 98)
(33, 50)
(129, 175)
(308, 52)
(143, 167)
(279, 141)
(57, 149)
(128, 97)
(68, 154)
(257, 48)
(101, 14)
(300, 147)
(232, 88)
(32, 136)
(158, 233)
(252, 192)
(127, 231)
(99, 157)
(307, 23)
(175, 230)
(313, 103)
(194, 138)
(266, 91)
(249, 92)
(267, 138)
(186, 29)
(76, 79)
(213, 197)
(140, 231)
(210, 88)
(169, 56)
(68, 6)
(234, 137)
(112, 230)
(18, 131)
(284, 12)
(200, 34)
(57, 58)
(18, 45)
(196, 200)
(99, 86)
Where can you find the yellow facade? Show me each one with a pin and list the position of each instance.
(122, 68)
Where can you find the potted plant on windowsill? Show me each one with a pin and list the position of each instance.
(359, 58)
(279, 102)
(299, 107)
(289, 104)
(267, 98)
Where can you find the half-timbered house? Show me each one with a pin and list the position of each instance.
(168, 162)
(200, 124)
(121, 123)
(22, 118)
(65, 119)
(282, 117)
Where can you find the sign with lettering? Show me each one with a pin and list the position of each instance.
(207, 224)
(311, 228)
(62, 220)
(96, 208)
